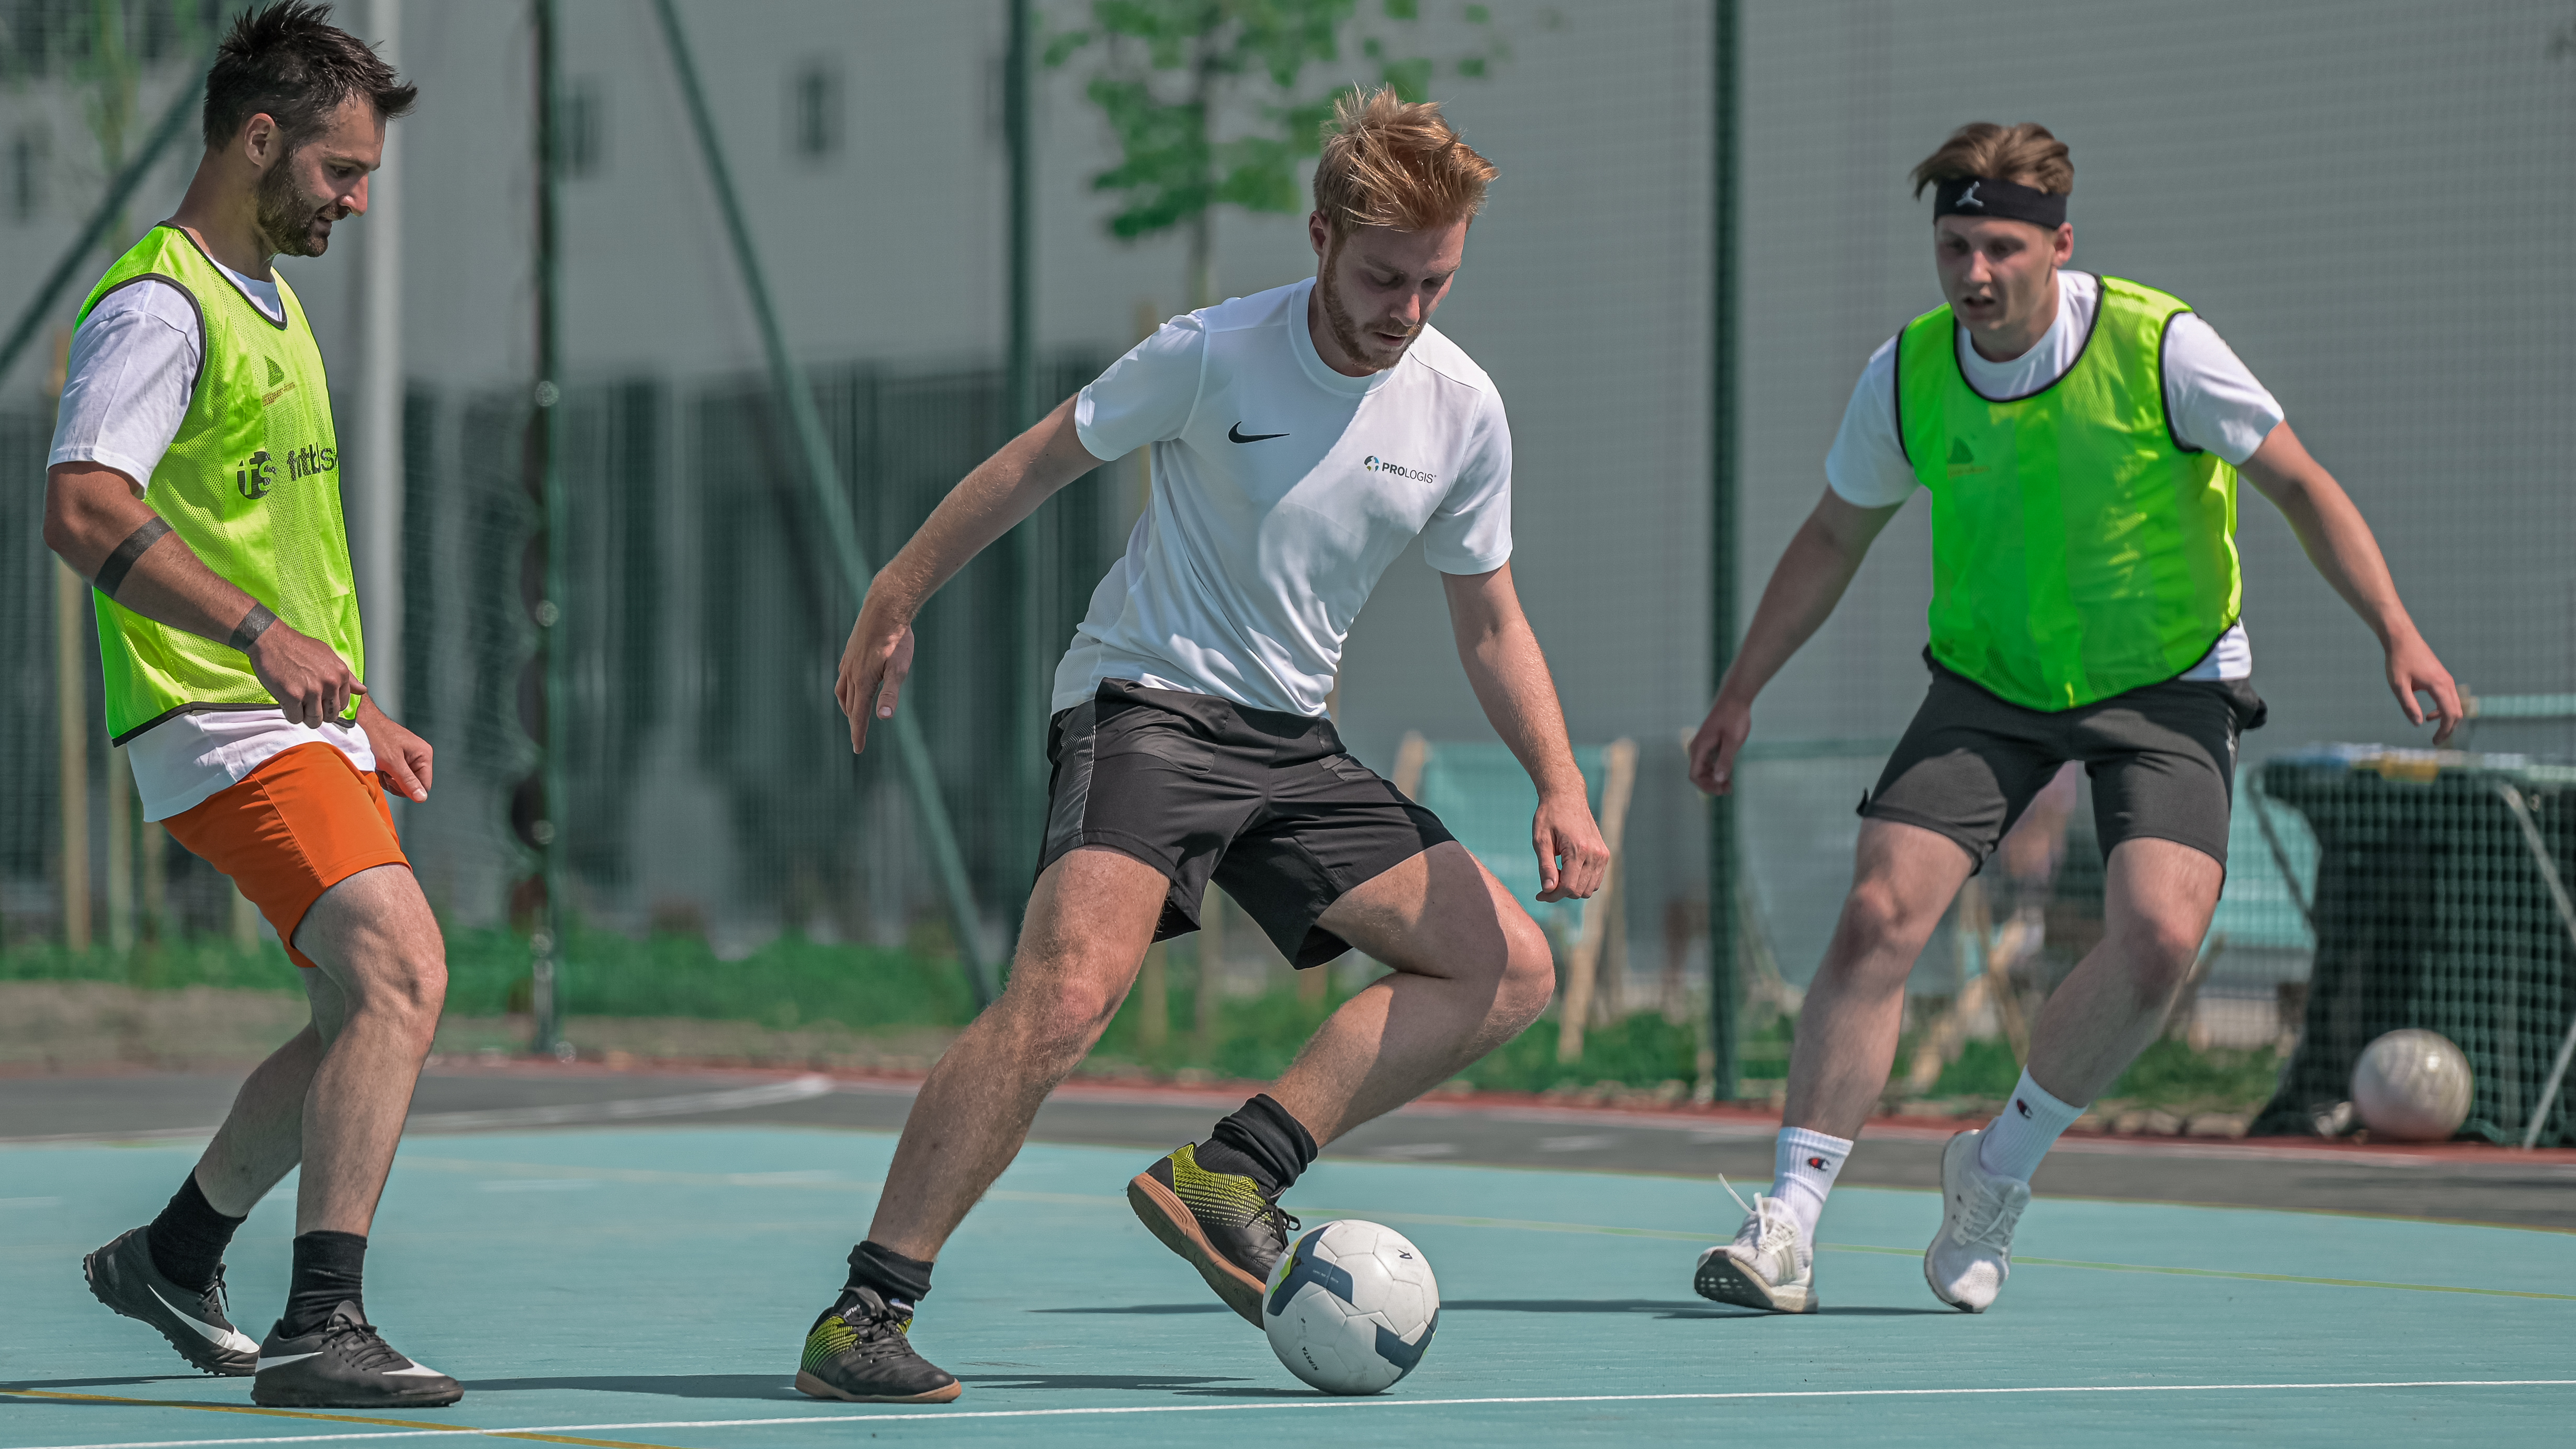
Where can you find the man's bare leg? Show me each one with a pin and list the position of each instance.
(2157, 902)
(334, 1097)
(1088, 924)
(1903, 879)
(384, 965)
(1472, 970)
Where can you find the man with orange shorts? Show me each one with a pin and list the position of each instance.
(194, 479)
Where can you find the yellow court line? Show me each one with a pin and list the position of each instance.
(413, 1424)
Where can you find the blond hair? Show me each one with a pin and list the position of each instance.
(1390, 164)
(2026, 155)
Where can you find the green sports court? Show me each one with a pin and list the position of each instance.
(646, 1285)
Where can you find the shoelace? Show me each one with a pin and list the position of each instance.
(364, 1347)
(220, 1296)
(1273, 1213)
(1769, 1224)
(1990, 1219)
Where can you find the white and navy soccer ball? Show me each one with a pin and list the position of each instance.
(1351, 1307)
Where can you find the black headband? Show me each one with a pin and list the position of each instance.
(1986, 196)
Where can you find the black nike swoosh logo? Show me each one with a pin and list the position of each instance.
(1235, 434)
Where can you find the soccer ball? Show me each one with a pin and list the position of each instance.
(1351, 1307)
(2413, 1086)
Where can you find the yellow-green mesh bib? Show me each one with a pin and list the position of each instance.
(2078, 549)
(251, 484)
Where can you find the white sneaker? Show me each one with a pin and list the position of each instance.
(1768, 1266)
(1968, 1263)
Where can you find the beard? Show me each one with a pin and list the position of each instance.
(1338, 319)
(288, 219)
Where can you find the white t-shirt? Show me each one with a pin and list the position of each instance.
(2213, 400)
(1282, 490)
(133, 370)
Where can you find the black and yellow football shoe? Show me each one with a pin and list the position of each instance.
(860, 1351)
(1221, 1223)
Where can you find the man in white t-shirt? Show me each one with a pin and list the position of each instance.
(2080, 438)
(194, 480)
(1302, 438)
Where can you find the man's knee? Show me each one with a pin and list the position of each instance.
(1879, 920)
(1058, 1015)
(2160, 950)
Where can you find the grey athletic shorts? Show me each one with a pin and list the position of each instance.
(2162, 759)
(1267, 804)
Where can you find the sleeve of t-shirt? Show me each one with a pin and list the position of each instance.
(2212, 397)
(1146, 396)
(1867, 465)
(1471, 531)
(126, 385)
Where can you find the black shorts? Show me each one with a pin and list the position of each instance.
(1268, 804)
(2162, 759)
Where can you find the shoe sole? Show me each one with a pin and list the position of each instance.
(1721, 1279)
(188, 1347)
(428, 1400)
(813, 1387)
(1171, 1222)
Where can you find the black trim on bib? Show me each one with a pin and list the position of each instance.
(202, 708)
(193, 305)
(280, 323)
(1896, 387)
(2100, 300)
(2164, 399)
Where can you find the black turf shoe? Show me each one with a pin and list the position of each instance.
(123, 1276)
(860, 1351)
(345, 1365)
(1219, 1222)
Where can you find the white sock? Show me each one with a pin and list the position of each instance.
(2017, 1140)
(1804, 1165)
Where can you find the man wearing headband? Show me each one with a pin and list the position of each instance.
(2080, 437)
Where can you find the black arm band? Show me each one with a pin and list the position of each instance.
(253, 624)
(111, 574)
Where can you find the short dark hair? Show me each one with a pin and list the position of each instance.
(289, 61)
(2025, 155)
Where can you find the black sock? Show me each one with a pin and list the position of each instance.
(187, 1241)
(1262, 1142)
(897, 1279)
(329, 1271)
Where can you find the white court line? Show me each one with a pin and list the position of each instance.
(628, 1109)
(936, 1416)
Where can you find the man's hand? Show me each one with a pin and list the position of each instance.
(1712, 750)
(1572, 857)
(874, 665)
(307, 679)
(2413, 669)
(402, 758)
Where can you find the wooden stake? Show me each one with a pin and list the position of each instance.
(71, 722)
(1619, 780)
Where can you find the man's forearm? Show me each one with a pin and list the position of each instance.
(1002, 491)
(1804, 588)
(1512, 684)
(2339, 544)
(127, 552)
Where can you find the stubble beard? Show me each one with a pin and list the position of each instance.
(287, 218)
(1337, 318)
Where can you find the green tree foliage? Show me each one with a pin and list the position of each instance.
(1209, 106)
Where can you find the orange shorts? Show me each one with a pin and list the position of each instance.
(302, 822)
